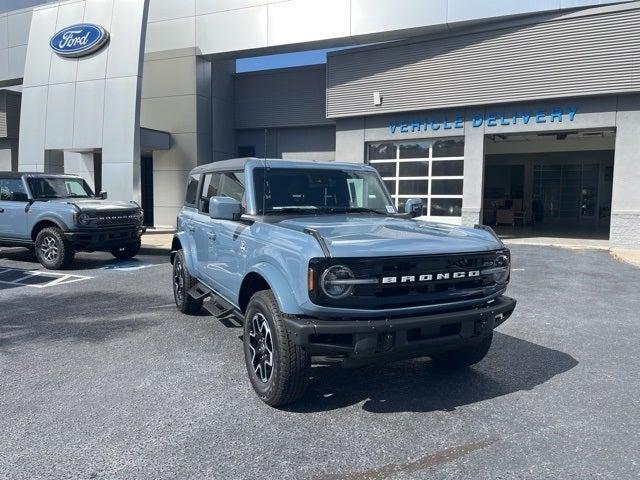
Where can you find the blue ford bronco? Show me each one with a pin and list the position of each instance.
(55, 215)
(316, 264)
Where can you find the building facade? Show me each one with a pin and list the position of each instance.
(525, 117)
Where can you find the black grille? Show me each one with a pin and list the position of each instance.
(117, 218)
(450, 280)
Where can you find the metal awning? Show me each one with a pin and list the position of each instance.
(151, 139)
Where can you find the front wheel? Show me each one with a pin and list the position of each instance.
(128, 251)
(464, 357)
(278, 368)
(53, 250)
(182, 283)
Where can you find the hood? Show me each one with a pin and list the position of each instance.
(97, 205)
(365, 236)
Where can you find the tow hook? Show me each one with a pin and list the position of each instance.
(480, 326)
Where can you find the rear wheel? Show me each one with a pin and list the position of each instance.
(464, 357)
(182, 283)
(53, 250)
(128, 251)
(278, 368)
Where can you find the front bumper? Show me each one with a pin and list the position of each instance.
(104, 239)
(362, 341)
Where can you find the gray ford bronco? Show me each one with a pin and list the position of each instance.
(316, 264)
(55, 215)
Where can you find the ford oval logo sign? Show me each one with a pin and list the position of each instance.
(79, 40)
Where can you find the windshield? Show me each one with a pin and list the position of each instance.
(59, 187)
(313, 190)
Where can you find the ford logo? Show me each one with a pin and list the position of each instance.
(79, 40)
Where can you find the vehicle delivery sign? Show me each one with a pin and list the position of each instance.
(79, 40)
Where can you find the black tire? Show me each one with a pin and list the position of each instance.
(53, 250)
(128, 251)
(464, 357)
(182, 283)
(286, 380)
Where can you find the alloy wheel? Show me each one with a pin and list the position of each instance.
(261, 347)
(49, 248)
(178, 281)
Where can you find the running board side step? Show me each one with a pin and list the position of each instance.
(218, 306)
(199, 292)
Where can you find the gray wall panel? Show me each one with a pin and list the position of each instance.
(281, 98)
(573, 56)
(3, 115)
(309, 143)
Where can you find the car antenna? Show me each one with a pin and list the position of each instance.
(264, 176)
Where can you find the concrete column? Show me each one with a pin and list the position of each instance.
(350, 140)
(222, 110)
(473, 189)
(81, 164)
(625, 201)
(528, 190)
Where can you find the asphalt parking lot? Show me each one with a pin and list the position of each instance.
(100, 377)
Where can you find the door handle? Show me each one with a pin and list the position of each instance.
(211, 235)
(1, 210)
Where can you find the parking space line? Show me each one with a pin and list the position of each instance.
(54, 279)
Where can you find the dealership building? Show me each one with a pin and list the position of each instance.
(524, 115)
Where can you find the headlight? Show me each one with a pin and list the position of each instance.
(502, 265)
(337, 282)
(84, 219)
(140, 215)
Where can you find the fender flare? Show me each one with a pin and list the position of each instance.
(279, 286)
(189, 252)
(57, 221)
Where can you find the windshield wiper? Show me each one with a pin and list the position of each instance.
(355, 210)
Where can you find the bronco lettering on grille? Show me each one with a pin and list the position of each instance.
(430, 277)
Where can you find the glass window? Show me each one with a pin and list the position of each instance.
(447, 168)
(416, 178)
(11, 186)
(209, 189)
(413, 187)
(232, 185)
(382, 151)
(391, 186)
(414, 169)
(307, 190)
(385, 169)
(449, 148)
(192, 189)
(246, 151)
(446, 187)
(419, 149)
(446, 207)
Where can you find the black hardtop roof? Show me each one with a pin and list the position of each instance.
(36, 174)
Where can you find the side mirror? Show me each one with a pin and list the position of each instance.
(19, 197)
(224, 208)
(414, 207)
(103, 195)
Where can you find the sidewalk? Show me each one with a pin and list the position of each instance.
(157, 240)
(631, 257)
